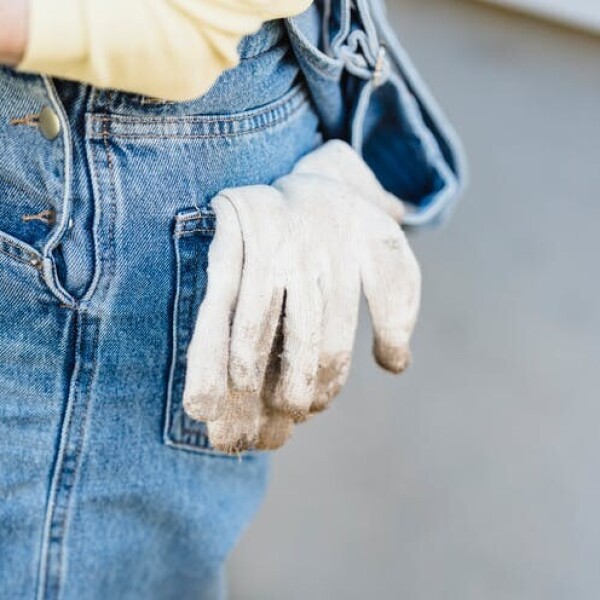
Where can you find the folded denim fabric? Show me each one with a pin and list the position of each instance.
(368, 93)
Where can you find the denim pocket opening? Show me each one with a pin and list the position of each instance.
(193, 232)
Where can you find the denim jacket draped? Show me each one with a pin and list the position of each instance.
(367, 91)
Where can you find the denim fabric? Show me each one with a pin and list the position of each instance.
(107, 490)
(367, 92)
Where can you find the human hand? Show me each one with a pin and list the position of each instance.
(275, 332)
(13, 31)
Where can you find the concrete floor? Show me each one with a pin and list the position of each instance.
(477, 475)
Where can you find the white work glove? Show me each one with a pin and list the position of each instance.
(274, 335)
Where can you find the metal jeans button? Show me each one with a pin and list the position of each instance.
(49, 123)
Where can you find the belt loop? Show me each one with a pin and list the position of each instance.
(345, 17)
(366, 17)
(361, 49)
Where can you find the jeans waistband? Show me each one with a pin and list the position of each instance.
(254, 49)
(267, 68)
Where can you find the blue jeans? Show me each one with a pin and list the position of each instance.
(107, 490)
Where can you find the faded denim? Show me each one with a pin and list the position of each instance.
(367, 92)
(107, 490)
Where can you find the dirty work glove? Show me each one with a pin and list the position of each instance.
(274, 335)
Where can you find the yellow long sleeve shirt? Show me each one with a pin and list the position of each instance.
(171, 49)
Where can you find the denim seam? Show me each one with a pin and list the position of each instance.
(178, 347)
(111, 259)
(95, 170)
(5, 244)
(209, 136)
(104, 260)
(91, 155)
(65, 158)
(185, 232)
(242, 116)
(18, 258)
(85, 397)
(182, 446)
(197, 215)
(198, 218)
(66, 468)
(216, 135)
(167, 436)
(75, 420)
(275, 114)
(173, 355)
(45, 559)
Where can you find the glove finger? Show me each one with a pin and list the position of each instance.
(237, 429)
(252, 335)
(302, 336)
(276, 428)
(340, 319)
(391, 281)
(205, 388)
(260, 298)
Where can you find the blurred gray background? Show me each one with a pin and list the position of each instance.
(477, 474)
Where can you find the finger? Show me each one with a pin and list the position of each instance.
(302, 335)
(340, 319)
(205, 388)
(276, 427)
(260, 297)
(237, 429)
(391, 281)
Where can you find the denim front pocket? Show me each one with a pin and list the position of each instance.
(193, 232)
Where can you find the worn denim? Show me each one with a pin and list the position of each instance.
(107, 490)
(368, 92)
